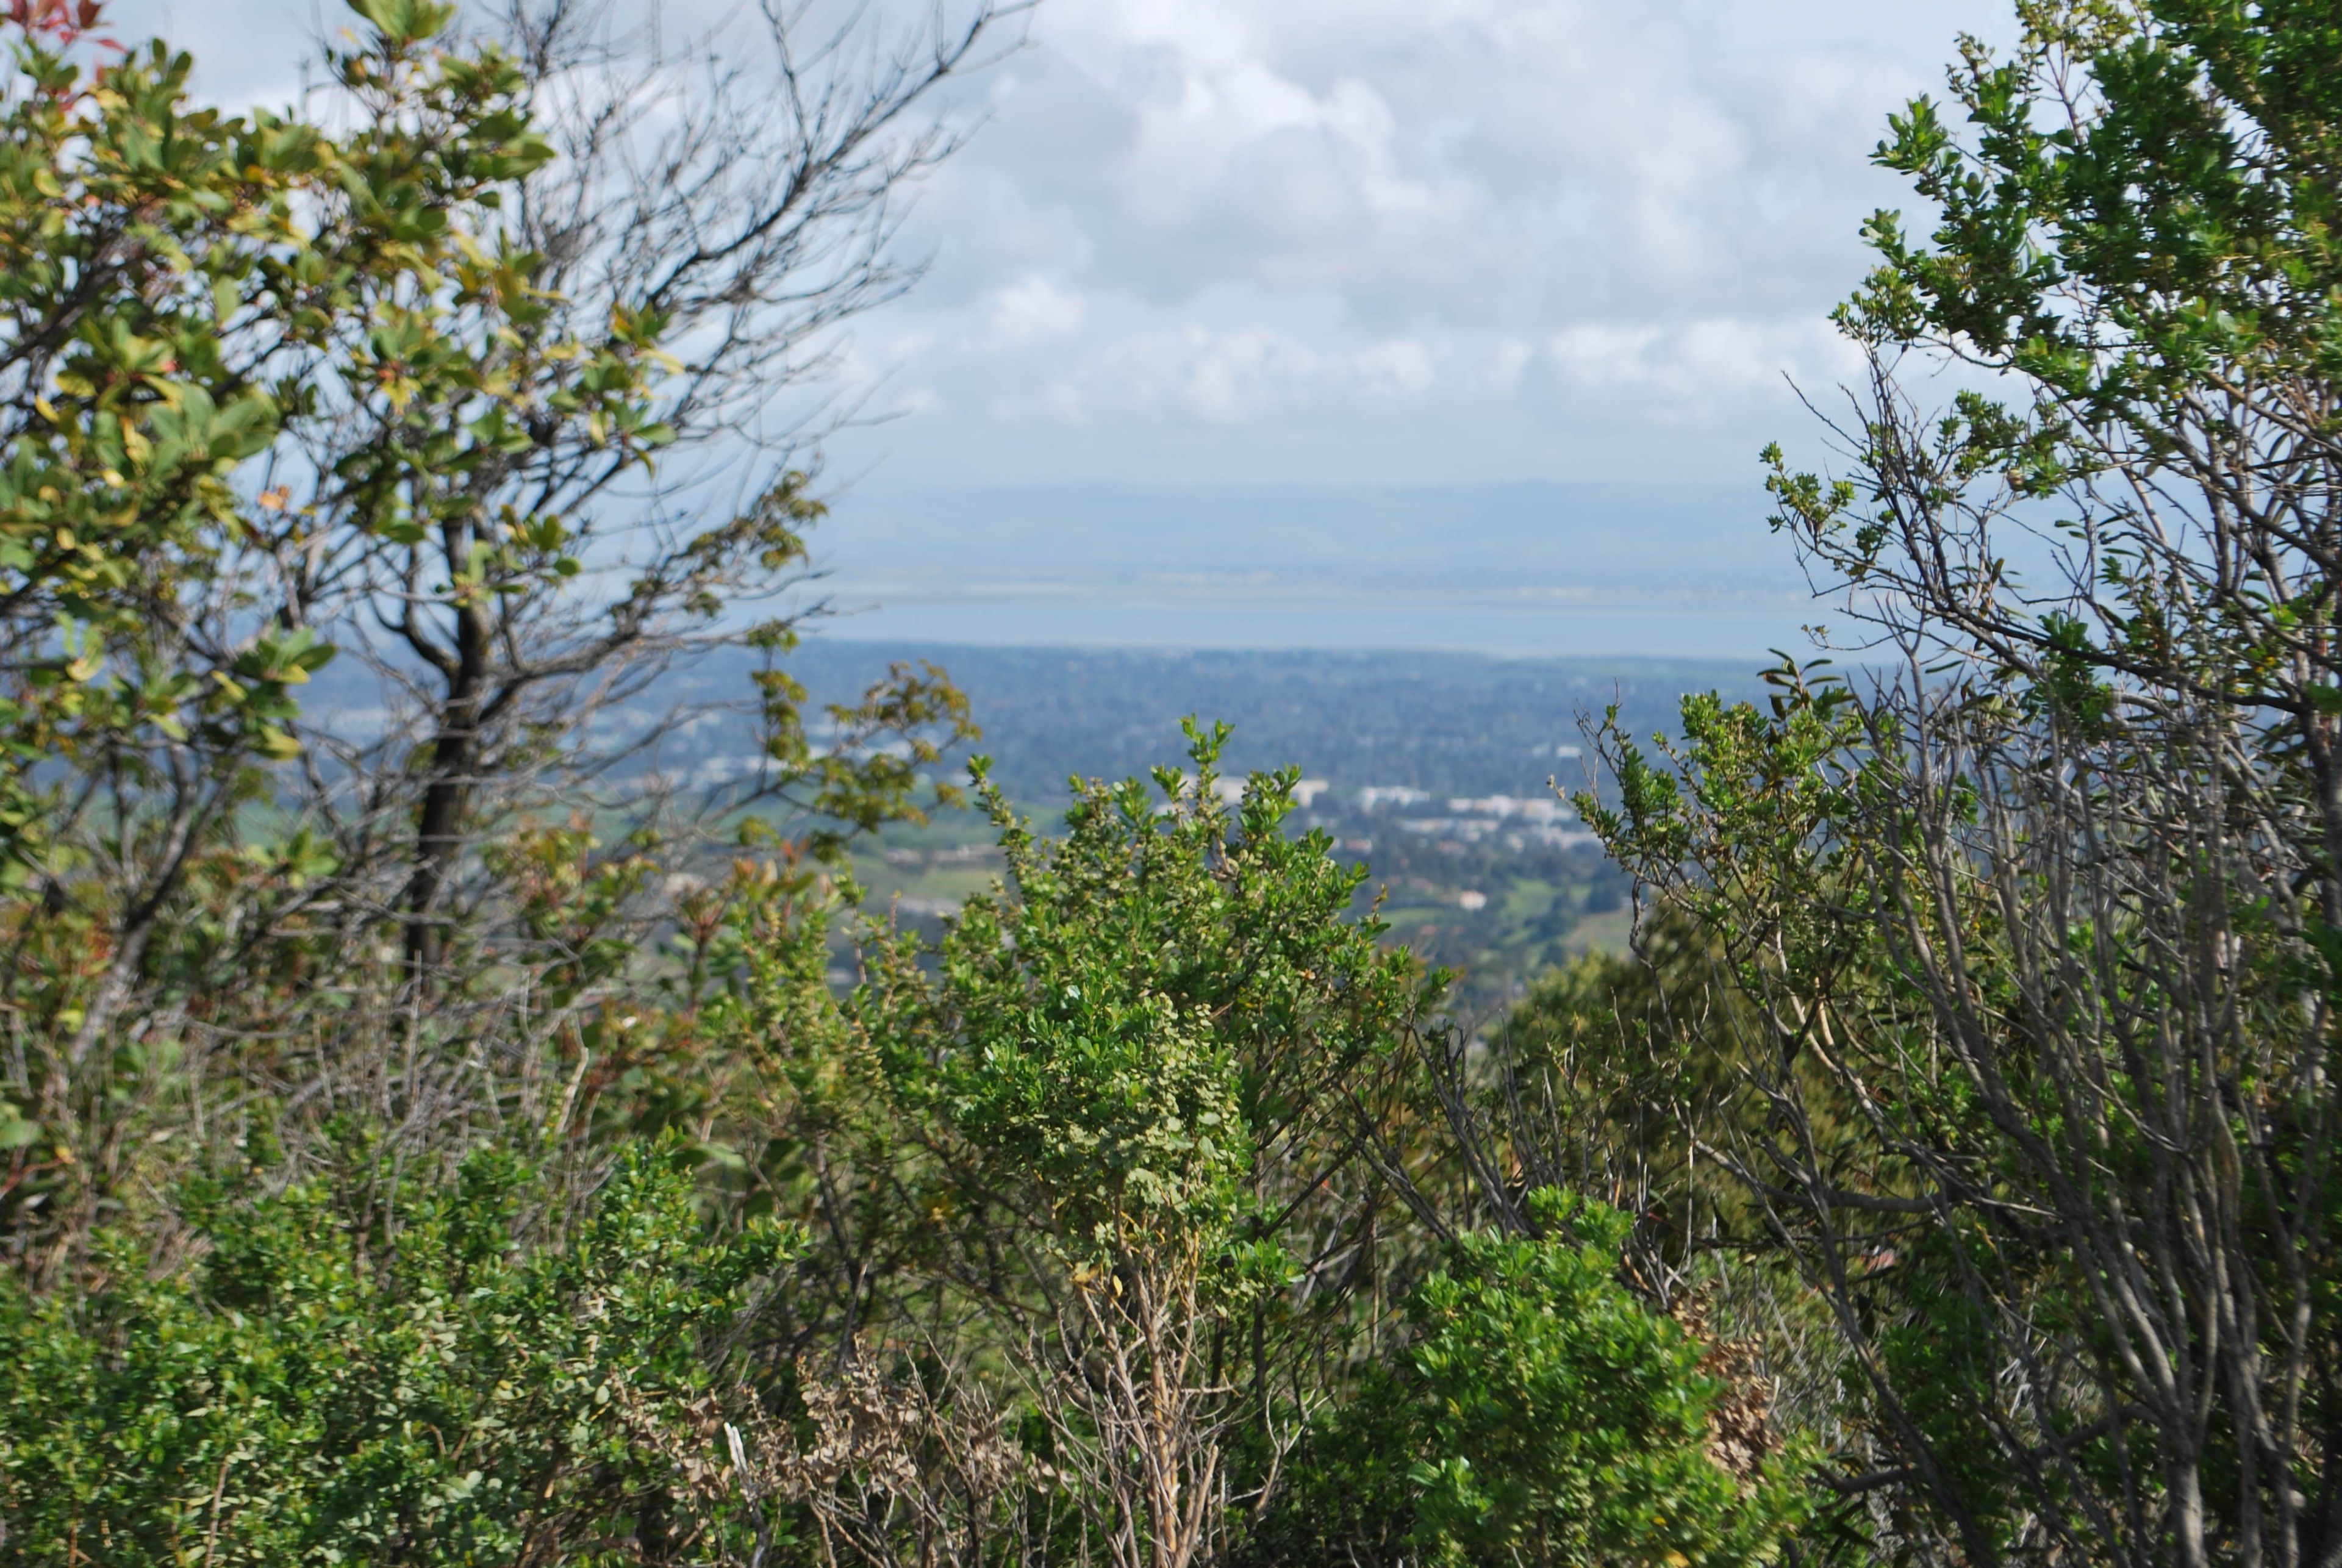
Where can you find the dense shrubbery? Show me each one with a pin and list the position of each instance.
(459, 1376)
(1541, 1412)
(445, 1144)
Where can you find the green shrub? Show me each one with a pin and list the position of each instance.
(449, 1385)
(1541, 1414)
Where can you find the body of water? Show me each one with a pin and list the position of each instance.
(1516, 570)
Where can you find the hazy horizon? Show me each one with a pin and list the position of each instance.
(1523, 568)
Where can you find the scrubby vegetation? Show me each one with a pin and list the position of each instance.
(428, 1140)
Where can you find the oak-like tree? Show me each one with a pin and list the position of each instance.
(445, 391)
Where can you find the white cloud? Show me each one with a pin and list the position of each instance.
(1707, 361)
(1033, 310)
(1475, 162)
(1510, 358)
(1529, 235)
(1539, 226)
(1225, 377)
(1401, 367)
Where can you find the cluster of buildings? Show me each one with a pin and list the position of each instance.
(1519, 820)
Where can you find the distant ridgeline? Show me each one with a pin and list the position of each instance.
(1450, 724)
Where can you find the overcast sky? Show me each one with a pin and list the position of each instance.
(1384, 239)
(1434, 239)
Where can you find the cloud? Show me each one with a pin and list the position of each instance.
(1248, 374)
(1477, 162)
(1033, 310)
(1327, 238)
(1532, 228)
(1708, 360)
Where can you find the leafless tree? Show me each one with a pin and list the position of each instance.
(516, 567)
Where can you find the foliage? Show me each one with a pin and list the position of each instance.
(2027, 941)
(1119, 1092)
(464, 1377)
(177, 281)
(1949, 1176)
(1161, 1000)
(314, 398)
(1542, 1414)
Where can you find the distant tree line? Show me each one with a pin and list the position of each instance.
(431, 1138)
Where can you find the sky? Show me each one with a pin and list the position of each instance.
(1359, 242)
(1432, 240)
(1363, 240)
(1405, 239)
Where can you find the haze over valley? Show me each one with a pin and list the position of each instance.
(1528, 568)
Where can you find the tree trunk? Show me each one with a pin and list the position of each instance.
(455, 757)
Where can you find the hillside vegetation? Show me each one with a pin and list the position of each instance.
(435, 1134)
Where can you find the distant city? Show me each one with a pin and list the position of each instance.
(1444, 773)
(1457, 728)
(1447, 774)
